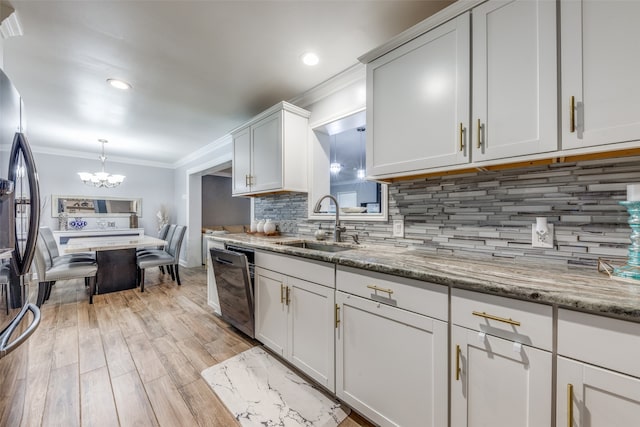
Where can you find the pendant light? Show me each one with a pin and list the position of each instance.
(335, 167)
(361, 173)
(102, 178)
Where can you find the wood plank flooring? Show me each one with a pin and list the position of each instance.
(129, 359)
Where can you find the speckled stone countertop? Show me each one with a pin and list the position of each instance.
(578, 288)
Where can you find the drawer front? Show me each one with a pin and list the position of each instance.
(313, 271)
(414, 295)
(521, 321)
(601, 341)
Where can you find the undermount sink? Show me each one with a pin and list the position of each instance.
(318, 246)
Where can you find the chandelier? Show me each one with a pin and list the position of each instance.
(102, 178)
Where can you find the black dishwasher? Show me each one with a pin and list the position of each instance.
(233, 271)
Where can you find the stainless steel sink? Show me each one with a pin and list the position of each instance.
(318, 246)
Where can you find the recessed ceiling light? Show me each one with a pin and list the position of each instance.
(310, 59)
(119, 84)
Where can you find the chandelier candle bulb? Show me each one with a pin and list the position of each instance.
(633, 192)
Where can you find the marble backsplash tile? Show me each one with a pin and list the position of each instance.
(491, 212)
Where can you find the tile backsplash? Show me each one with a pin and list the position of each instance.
(491, 212)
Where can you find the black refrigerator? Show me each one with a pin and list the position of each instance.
(19, 224)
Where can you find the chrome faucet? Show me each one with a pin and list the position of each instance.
(337, 230)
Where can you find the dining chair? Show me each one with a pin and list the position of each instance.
(170, 257)
(4, 283)
(162, 234)
(49, 273)
(54, 253)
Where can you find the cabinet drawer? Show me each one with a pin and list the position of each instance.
(601, 341)
(525, 322)
(305, 269)
(414, 295)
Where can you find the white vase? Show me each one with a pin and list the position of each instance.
(269, 227)
(260, 226)
(254, 226)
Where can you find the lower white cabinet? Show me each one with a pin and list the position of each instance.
(391, 364)
(295, 318)
(598, 380)
(501, 361)
(595, 397)
(496, 382)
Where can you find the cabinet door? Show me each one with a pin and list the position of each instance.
(600, 62)
(598, 397)
(266, 156)
(514, 79)
(499, 383)
(241, 161)
(417, 99)
(311, 330)
(391, 364)
(271, 310)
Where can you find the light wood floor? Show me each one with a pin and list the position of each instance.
(131, 358)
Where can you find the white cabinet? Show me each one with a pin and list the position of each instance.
(270, 152)
(212, 289)
(296, 319)
(497, 377)
(418, 94)
(391, 363)
(598, 379)
(595, 397)
(418, 102)
(600, 62)
(514, 79)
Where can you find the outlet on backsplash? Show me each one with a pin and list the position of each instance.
(398, 228)
(542, 234)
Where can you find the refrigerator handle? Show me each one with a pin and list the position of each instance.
(7, 347)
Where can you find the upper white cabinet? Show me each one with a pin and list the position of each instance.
(418, 102)
(418, 95)
(270, 152)
(514, 79)
(600, 62)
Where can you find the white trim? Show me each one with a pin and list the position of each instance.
(10, 26)
(439, 18)
(204, 151)
(330, 86)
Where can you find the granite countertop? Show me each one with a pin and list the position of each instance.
(572, 287)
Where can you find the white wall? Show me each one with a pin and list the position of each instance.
(59, 175)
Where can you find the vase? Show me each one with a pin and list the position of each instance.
(632, 269)
(77, 223)
(269, 227)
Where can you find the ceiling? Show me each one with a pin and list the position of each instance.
(198, 68)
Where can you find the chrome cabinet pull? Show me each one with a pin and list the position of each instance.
(337, 315)
(478, 132)
(572, 114)
(281, 293)
(458, 351)
(461, 132)
(377, 288)
(569, 405)
(246, 180)
(499, 319)
(288, 295)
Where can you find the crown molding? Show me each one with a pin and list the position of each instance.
(438, 18)
(353, 74)
(204, 151)
(10, 26)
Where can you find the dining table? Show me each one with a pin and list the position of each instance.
(116, 258)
